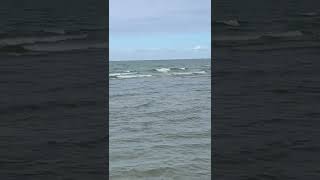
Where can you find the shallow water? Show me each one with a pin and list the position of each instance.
(160, 119)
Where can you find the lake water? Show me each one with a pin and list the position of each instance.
(160, 120)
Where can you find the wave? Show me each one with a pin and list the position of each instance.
(189, 73)
(48, 40)
(134, 76)
(230, 22)
(44, 39)
(284, 34)
(128, 75)
(200, 72)
(236, 37)
(158, 72)
(166, 70)
(71, 46)
(309, 14)
(120, 74)
(163, 70)
(263, 39)
(287, 34)
(179, 69)
(182, 73)
(279, 46)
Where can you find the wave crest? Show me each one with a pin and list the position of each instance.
(163, 70)
(229, 22)
(128, 75)
(33, 40)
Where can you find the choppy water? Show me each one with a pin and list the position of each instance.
(160, 119)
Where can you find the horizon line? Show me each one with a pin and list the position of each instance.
(161, 59)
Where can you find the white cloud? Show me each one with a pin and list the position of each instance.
(199, 48)
(196, 48)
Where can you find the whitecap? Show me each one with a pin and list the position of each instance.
(188, 73)
(200, 72)
(120, 74)
(230, 22)
(133, 76)
(163, 70)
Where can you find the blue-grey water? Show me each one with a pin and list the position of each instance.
(160, 120)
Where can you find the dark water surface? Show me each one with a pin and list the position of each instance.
(53, 118)
(39, 27)
(266, 87)
(266, 25)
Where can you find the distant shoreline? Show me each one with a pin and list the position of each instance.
(159, 59)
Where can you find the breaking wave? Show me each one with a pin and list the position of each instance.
(33, 40)
(163, 70)
(189, 73)
(49, 40)
(156, 72)
(230, 22)
(128, 75)
(166, 70)
(289, 34)
(132, 76)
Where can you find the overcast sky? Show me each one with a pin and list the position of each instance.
(159, 29)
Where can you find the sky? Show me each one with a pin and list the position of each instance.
(159, 29)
